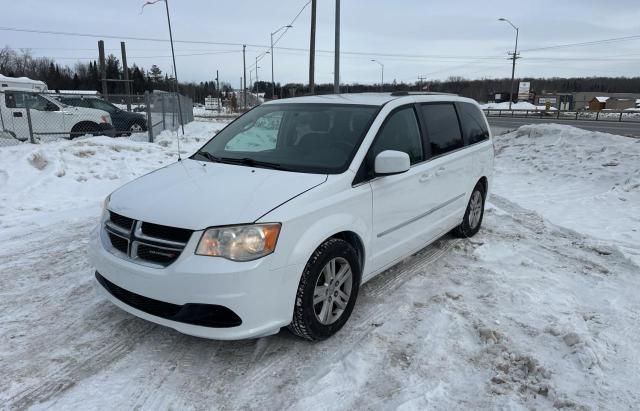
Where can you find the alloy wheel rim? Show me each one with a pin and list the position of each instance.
(136, 128)
(332, 291)
(475, 209)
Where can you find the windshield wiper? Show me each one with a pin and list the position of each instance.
(252, 163)
(208, 156)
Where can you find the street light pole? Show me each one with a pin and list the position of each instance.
(514, 57)
(273, 82)
(381, 74)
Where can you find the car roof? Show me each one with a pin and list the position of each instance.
(369, 99)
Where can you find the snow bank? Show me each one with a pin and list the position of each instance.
(522, 105)
(583, 180)
(67, 180)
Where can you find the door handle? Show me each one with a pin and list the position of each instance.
(440, 171)
(66, 113)
(17, 114)
(424, 178)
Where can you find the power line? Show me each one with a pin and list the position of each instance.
(585, 43)
(305, 50)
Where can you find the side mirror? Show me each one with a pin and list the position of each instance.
(392, 162)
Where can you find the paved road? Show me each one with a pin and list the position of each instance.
(500, 124)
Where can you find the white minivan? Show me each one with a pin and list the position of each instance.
(280, 218)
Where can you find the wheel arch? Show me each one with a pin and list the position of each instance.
(344, 226)
(484, 182)
(76, 127)
(356, 242)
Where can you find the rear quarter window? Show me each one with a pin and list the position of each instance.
(474, 127)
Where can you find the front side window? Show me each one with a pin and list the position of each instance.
(442, 127)
(400, 133)
(473, 125)
(313, 138)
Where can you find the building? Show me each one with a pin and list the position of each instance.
(581, 99)
(616, 103)
(598, 103)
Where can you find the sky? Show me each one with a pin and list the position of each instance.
(411, 38)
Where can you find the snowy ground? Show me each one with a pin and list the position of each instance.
(539, 310)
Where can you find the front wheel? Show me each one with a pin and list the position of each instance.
(473, 215)
(136, 128)
(327, 291)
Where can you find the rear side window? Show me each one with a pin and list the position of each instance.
(473, 125)
(442, 127)
(401, 133)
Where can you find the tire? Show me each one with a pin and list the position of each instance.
(137, 128)
(82, 129)
(473, 215)
(315, 322)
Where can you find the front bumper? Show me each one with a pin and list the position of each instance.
(107, 129)
(262, 297)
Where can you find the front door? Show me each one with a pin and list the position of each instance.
(403, 204)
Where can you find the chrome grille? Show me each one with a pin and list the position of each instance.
(145, 242)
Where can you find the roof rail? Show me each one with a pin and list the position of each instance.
(419, 93)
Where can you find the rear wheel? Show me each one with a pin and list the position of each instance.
(327, 291)
(472, 219)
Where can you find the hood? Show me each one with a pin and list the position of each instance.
(196, 195)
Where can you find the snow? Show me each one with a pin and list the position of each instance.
(521, 105)
(539, 310)
(602, 99)
(591, 180)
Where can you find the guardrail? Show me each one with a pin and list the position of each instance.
(618, 116)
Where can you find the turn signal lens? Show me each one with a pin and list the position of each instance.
(239, 243)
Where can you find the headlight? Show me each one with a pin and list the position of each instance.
(105, 206)
(239, 243)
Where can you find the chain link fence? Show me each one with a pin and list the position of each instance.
(38, 117)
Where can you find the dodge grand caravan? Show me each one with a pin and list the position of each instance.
(280, 218)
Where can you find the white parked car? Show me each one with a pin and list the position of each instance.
(281, 217)
(49, 117)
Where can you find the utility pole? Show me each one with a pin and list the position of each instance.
(336, 67)
(273, 82)
(381, 75)
(218, 90)
(125, 69)
(514, 57)
(103, 68)
(244, 68)
(421, 79)
(312, 49)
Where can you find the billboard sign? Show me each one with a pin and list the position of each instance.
(524, 88)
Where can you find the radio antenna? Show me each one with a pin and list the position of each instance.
(175, 71)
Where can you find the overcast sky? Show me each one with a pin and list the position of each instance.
(460, 38)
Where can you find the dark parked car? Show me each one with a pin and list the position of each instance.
(124, 122)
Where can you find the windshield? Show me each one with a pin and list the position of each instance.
(103, 105)
(312, 138)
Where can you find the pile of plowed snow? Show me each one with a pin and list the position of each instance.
(42, 183)
(583, 180)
